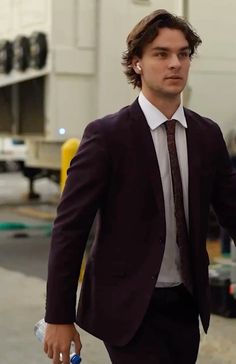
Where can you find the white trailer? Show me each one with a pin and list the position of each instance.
(82, 78)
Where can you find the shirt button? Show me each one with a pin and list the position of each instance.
(161, 241)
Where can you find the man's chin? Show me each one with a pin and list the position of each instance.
(172, 95)
(174, 91)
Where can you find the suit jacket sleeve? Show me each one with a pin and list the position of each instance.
(82, 196)
(224, 190)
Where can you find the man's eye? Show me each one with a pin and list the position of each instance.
(161, 55)
(184, 55)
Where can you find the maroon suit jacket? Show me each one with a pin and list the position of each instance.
(115, 172)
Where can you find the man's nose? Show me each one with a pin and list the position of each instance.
(174, 61)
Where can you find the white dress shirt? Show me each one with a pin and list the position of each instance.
(170, 269)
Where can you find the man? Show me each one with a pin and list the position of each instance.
(150, 171)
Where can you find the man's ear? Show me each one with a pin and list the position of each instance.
(137, 66)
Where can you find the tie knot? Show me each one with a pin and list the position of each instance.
(170, 126)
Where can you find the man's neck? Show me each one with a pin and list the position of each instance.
(167, 106)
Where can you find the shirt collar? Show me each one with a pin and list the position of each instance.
(154, 116)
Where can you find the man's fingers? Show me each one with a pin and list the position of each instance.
(78, 345)
(54, 354)
(56, 357)
(58, 339)
(49, 352)
(45, 347)
(65, 356)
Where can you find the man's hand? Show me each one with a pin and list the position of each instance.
(58, 339)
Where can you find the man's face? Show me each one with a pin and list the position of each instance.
(165, 64)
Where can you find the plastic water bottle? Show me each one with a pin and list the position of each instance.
(39, 331)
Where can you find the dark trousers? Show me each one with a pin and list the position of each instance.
(169, 333)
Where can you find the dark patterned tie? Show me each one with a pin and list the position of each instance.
(181, 227)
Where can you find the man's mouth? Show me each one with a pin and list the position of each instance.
(174, 77)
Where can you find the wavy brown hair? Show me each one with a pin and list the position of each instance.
(146, 31)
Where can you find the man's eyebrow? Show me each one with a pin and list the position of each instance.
(166, 49)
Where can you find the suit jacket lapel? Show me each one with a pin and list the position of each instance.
(147, 154)
(194, 166)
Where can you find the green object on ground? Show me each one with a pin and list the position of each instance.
(11, 225)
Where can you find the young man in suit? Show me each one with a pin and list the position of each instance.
(150, 171)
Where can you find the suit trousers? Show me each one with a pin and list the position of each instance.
(169, 333)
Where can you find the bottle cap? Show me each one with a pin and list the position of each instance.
(75, 359)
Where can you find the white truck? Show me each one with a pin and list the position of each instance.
(80, 75)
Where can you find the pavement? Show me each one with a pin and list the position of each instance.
(23, 269)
